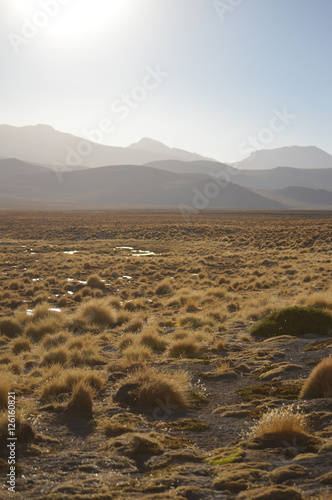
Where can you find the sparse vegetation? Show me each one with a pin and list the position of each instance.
(152, 366)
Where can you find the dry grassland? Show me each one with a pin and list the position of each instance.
(156, 357)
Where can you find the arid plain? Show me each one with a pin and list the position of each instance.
(156, 356)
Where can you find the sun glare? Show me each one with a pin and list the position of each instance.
(80, 19)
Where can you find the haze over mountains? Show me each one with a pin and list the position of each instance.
(289, 156)
(44, 145)
(33, 173)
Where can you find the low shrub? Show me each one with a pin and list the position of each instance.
(294, 321)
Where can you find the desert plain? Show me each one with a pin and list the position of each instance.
(159, 356)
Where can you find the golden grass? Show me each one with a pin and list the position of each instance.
(319, 382)
(283, 422)
(55, 356)
(183, 348)
(10, 327)
(95, 281)
(323, 300)
(165, 287)
(21, 345)
(6, 384)
(152, 339)
(60, 381)
(113, 333)
(98, 312)
(136, 354)
(55, 340)
(81, 400)
(149, 388)
(38, 328)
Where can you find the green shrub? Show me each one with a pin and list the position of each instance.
(294, 321)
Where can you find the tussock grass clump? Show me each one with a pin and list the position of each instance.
(56, 356)
(55, 340)
(81, 400)
(24, 432)
(183, 348)
(21, 345)
(127, 340)
(95, 281)
(133, 444)
(283, 425)
(322, 300)
(294, 321)
(97, 311)
(258, 313)
(134, 305)
(62, 381)
(149, 388)
(42, 311)
(164, 288)
(219, 292)
(219, 346)
(5, 387)
(137, 354)
(319, 382)
(88, 356)
(152, 339)
(134, 325)
(10, 327)
(115, 428)
(36, 330)
(195, 321)
(16, 284)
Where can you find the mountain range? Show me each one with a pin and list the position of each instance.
(35, 171)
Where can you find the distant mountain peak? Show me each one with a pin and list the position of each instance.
(45, 145)
(146, 141)
(287, 156)
(148, 144)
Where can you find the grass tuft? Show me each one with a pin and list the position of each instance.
(149, 388)
(319, 382)
(10, 327)
(97, 311)
(81, 400)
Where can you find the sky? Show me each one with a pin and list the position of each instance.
(217, 77)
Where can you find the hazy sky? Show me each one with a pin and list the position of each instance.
(206, 76)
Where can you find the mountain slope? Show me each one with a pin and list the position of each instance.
(130, 185)
(290, 156)
(11, 167)
(147, 144)
(44, 145)
(276, 178)
(283, 177)
(302, 198)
